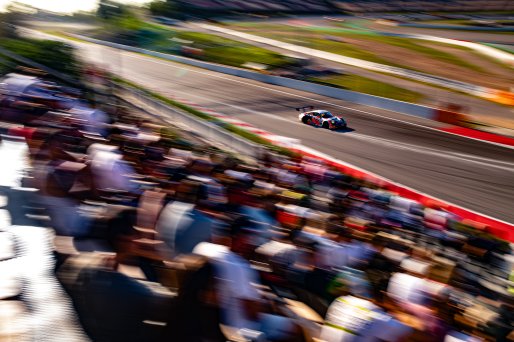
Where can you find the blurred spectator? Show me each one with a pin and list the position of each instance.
(203, 247)
(353, 318)
(241, 304)
(182, 224)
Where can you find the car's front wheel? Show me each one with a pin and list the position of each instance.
(325, 125)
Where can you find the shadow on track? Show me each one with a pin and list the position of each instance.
(343, 130)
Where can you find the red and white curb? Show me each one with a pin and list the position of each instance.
(499, 228)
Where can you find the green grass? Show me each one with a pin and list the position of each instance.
(312, 37)
(340, 48)
(370, 86)
(502, 47)
(56, 55)
(442, 88)
(63, 35)
(231, 52)
(229, 127)
(212, 48)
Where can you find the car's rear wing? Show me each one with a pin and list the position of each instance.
(305, 109)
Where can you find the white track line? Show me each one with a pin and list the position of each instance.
(338, 161)
(432, 151)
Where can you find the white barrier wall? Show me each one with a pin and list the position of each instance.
(351, 96)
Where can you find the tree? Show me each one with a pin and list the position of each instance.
(162, 8)
(108, 9)
(9, 20)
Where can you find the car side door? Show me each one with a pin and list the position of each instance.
(316, 119)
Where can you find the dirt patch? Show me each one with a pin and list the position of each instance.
(503, 75)
(418, 61)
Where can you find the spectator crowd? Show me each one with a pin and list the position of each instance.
(158, 238)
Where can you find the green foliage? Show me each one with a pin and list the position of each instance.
(109, 9)
(162, 8)
(230, 52)
(128, 22)
(8, 20)
(56, 55)
(130, 30)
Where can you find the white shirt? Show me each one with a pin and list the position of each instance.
(333, 255)
(358, 320)
(235, 279)
(182, 227)
(94, 120)
(110, 171)
(407, 288)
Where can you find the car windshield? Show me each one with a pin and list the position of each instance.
(327, 115)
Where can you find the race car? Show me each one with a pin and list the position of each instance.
(320, 118)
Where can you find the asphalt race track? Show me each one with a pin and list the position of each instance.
(473, 174)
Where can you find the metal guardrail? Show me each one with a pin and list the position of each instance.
(188, 122)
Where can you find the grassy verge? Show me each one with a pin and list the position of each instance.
(229, 127)
(443, 88)
(208, 47)
(312, 37)
(370, 86)
(504, 48)
(225, 51)
(345, 49)
(63, 35)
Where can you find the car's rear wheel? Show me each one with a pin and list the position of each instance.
(325, 125)
(306, 120)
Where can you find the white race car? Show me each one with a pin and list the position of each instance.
(320, 118)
